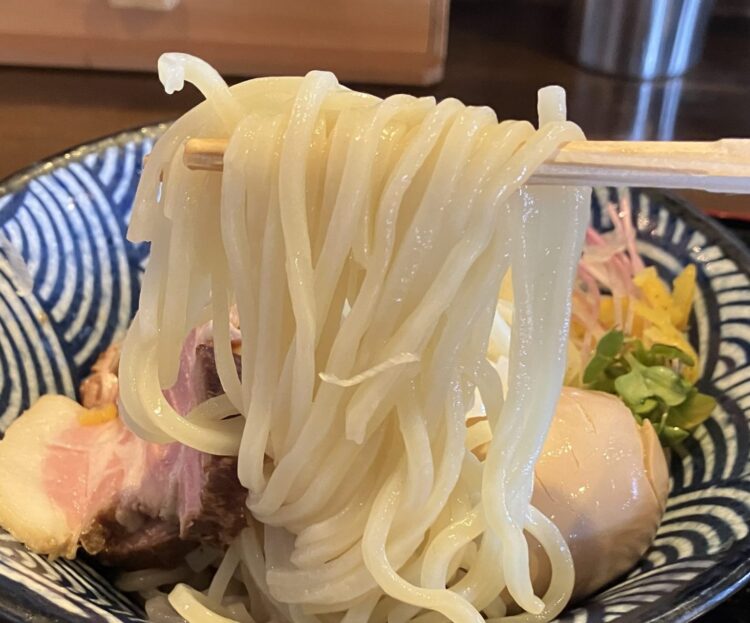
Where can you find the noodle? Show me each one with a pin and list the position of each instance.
(147, 579)
(361, 243)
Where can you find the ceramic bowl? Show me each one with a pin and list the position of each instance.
(68, 218)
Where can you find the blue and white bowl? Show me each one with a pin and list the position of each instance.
(68, 219)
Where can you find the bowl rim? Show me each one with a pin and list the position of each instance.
(716, 583)
(18, 179)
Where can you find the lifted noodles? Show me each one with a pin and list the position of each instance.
(360, 240)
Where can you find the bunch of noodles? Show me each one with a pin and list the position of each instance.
(363, 243)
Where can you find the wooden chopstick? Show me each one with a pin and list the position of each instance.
(717, 166)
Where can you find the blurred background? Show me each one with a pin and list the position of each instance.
(74, 70)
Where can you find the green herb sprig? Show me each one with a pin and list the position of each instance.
(649, 383)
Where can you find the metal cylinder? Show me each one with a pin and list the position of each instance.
(638, 38)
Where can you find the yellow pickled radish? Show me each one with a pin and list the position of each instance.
(654, 289)
(683, 292)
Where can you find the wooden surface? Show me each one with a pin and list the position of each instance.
(376, 40)
(499, 54)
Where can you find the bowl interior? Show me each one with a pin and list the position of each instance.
(68, 218)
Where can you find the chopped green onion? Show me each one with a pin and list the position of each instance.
(649, 383)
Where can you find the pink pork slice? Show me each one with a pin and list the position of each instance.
(132, 503)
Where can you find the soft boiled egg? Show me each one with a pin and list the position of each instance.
(601, 478)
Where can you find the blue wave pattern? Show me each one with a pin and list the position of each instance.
(69, 219)
(69, 222)
(703, 539)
